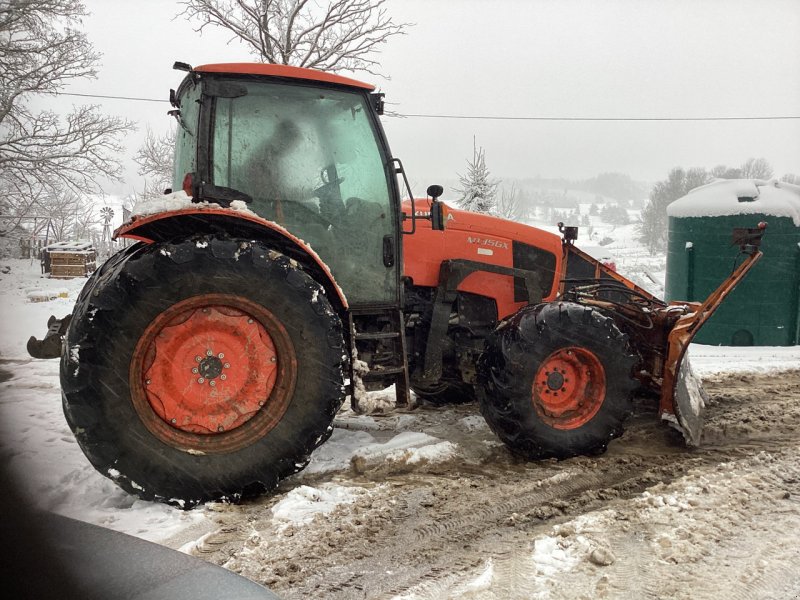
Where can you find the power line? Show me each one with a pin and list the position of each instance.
(509, 118)
(499, 117)
(109, 97)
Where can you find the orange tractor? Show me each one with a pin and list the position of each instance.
(207, 361)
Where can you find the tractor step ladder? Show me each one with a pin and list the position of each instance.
(380, 334)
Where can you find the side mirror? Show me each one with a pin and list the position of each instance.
(434, 191)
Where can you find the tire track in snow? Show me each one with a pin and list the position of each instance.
(435, 531)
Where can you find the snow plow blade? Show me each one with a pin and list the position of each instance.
(683, 398)
(688, 403)
(50, 346)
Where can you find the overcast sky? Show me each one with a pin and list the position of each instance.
(524, 58)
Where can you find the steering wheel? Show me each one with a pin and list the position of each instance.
(328, 185)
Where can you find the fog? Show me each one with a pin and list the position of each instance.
(525, 60)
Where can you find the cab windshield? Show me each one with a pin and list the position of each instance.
(311, 161)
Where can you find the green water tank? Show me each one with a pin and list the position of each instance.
(764, 310)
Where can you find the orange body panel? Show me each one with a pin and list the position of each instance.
(271, 70)
(477, 237)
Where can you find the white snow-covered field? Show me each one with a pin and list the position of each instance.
(37, 446)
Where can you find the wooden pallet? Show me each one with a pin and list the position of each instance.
(66, 260)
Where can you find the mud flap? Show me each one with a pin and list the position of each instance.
(689, 401)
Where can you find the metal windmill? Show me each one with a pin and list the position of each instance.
(107, 213)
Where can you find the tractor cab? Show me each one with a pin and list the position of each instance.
(304, 150)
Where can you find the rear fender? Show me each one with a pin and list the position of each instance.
(198, 219)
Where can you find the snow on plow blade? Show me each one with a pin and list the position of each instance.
(682, 395)
(689, 403)
(50, 346)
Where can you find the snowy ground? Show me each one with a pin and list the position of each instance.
(427, 504)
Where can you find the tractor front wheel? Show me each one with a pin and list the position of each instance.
(204, 369)
(556, 381)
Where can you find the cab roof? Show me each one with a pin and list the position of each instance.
(272, 70)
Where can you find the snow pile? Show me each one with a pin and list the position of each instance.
(441, 452)
(156, 204)
(39, 295)
(357, 449)
(729, 197)
(302, 504)
(552, 556)
(714, 360)
(177, 200)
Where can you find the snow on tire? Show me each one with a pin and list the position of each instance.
(208, 368)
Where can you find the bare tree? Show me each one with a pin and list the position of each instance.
(653, 221)
(752, 168)
(70, 215)
(791, 178)
(41, 52)
(155, 159)
(330, 35)
(508, 205)
(756, 168)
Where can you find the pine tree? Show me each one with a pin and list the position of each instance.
(478, 189)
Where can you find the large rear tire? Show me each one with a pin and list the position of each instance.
(556, 381)
(204, 369)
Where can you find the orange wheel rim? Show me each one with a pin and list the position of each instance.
(213, 373)
(569, 388)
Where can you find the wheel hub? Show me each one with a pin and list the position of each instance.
(190, 384)
(569, 388)
(210, 367)
(555, 380)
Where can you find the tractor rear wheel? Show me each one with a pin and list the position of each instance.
(556, 381)
(209, 368)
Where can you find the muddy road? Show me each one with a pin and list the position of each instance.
(465, 519)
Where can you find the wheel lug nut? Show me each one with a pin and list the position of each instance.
(201, 380)
(227, 365)
(147, 382)
(223, 376)
(220, 355)
(212, 383)
(220, 428)
(209, 352)
(249, 320)
(195, 370)
(198, 358)
(273, 359)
